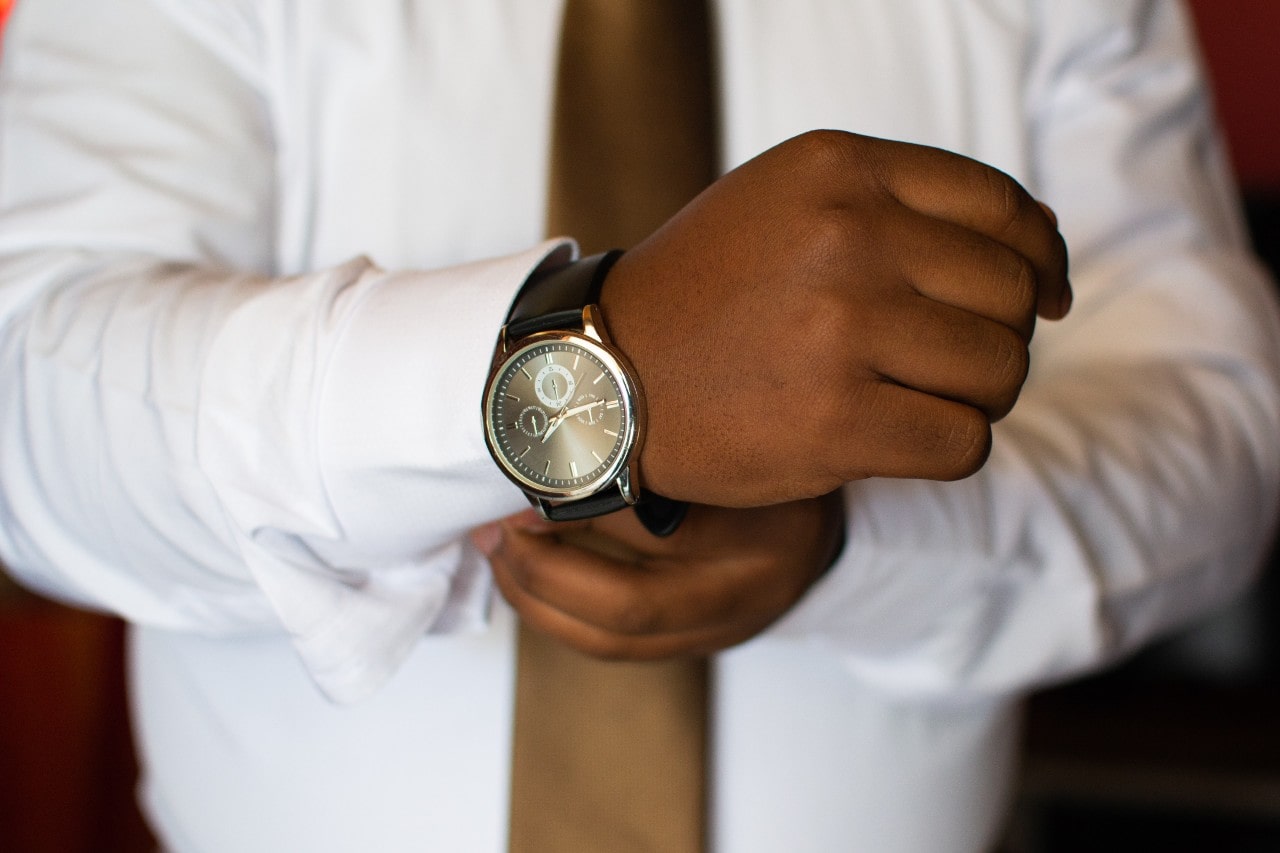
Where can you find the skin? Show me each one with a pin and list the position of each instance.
(845, 307)
(610, 589)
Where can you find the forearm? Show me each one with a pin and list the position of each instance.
(230, 453)
(189, 437)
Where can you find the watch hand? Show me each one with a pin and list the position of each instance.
(577, 410)
(554, 424)
(566, 413)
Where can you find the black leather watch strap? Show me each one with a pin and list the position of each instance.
(555, 300)
(601, 503)
(660, 516)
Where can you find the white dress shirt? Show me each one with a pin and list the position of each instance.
(253, 258)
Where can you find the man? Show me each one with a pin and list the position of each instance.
(254, 257)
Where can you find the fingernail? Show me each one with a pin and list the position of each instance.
(487, 538)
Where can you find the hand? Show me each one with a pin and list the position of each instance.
(608, 588)
(886, 290)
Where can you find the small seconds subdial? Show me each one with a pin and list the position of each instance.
(554, 385)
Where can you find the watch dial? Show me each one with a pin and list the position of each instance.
(558, 418)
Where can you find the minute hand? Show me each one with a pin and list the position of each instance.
(559, 419)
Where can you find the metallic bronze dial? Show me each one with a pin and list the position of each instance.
(559, 416)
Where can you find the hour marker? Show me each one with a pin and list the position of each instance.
(612, 404)
(512, 397)
(611, 433)
(527, 373)
(597, 456)
(550, 360)
(546, 469)
(523, 452)
(576, 359)
(511, 425)
(573, 468)
(597, 379)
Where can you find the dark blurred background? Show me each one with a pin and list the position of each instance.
(1176, 750)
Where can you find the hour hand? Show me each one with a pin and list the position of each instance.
(577, 410)
(560, 416)
(554, 423)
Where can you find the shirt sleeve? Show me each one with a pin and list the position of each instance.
(1134, 484)
(188, 438)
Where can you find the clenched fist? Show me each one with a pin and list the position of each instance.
(840, 307)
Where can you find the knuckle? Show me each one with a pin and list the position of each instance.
(1007, 199)
(843, 156)
(848, 412)
(1010, 359)
(830, 237)
(967, 443)
(1011, 362)
(828, 320)
(1022, 284)
(825, 147)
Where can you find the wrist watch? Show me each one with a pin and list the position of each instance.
(563, 410)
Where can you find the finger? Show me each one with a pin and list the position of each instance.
(904, 433)
(600, 589)
(963, 191)
(968, 270)
(702, 532)
(1065, 298)
(600, 643)
(625, 528)
(950, 353)
(522, 554)
(721, 575)
(619, 534)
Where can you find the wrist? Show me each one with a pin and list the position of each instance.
(630, 329)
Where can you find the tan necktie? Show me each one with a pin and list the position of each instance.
(608, 757)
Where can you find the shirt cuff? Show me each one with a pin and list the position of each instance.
(405, 473)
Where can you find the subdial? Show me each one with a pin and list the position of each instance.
(532, 421)
(593, 411)
(554, 386)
